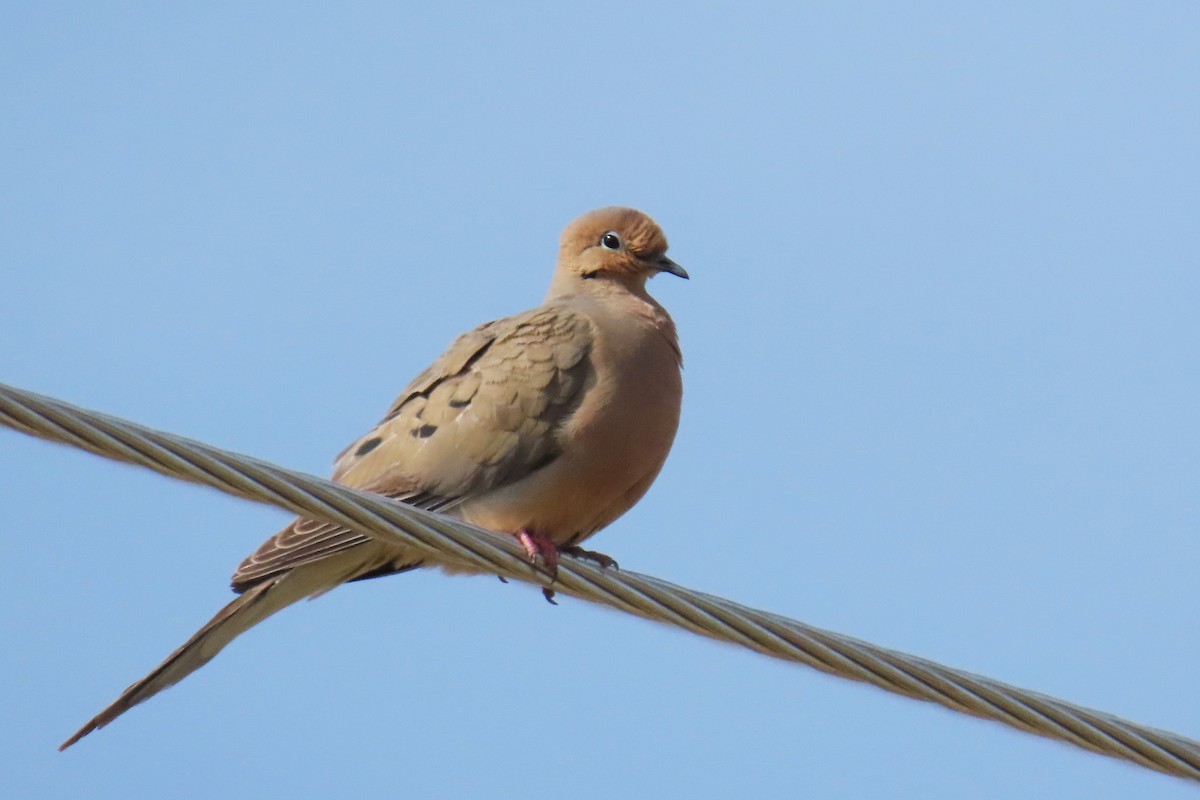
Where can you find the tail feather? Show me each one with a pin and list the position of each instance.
(250, 608)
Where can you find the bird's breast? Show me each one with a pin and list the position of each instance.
(612, 446)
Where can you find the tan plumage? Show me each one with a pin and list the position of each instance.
(548, 425)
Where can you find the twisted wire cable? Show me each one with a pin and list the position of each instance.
(449, 539)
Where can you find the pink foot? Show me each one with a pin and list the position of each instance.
(538, 546)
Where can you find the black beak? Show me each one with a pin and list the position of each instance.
(665, 264)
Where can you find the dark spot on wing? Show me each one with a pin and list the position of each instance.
(368, 446)
(423, 432)
(459, 403)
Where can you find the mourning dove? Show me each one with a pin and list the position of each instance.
(547, 425)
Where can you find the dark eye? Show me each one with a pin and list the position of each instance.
(611, 240)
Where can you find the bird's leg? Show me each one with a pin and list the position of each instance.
(601, 560)
(538, 546)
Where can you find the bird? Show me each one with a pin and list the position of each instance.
(547, 425)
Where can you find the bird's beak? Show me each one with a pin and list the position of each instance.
(665, 264)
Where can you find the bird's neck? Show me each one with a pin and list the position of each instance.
(622, 302)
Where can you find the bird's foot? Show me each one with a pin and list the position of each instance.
(538, 547)
(600, 559)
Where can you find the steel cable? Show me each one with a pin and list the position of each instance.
(449, 539)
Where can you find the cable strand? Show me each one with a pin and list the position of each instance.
(446, 539)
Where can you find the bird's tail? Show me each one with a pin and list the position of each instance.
(249, 609)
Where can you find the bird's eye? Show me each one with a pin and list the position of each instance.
(611, 240)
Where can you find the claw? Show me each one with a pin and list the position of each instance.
(548, 593)
(601, 560)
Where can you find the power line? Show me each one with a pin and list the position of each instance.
(449, 539)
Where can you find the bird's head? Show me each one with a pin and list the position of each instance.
(614, 243)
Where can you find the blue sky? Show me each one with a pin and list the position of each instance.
(943, 373)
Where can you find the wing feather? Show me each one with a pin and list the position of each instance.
(485, 414)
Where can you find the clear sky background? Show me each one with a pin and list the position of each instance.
(942, 385)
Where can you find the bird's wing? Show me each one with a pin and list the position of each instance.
(485, 414)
